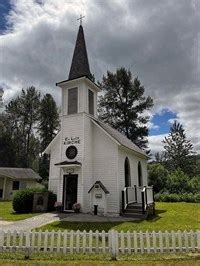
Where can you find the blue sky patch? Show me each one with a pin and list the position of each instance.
(162, 121)
(5, 7)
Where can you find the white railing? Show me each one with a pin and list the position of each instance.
(129, 196)
(139, 194)
(100, 242)
(143, 195)
(149, 194)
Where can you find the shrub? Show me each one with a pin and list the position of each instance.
(157, 176)
(178, 182)
(173, 197)
(194, 184)
(23, 200)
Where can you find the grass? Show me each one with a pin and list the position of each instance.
(7, 213)
(164, 259)
(169, 216)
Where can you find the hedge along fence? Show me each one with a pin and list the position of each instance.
(100, 242)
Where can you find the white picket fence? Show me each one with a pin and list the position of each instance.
(100, 242)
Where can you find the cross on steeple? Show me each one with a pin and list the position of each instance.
(81, 19)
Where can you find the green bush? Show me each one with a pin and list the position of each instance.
(157, 176)
(173, 197)
(178, 182)
(23, 200)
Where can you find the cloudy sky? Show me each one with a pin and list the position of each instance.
(158, 40)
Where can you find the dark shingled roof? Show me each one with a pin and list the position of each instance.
(101, 186)
(80, 65)
(19, 173)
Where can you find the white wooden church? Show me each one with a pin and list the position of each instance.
(90, 162)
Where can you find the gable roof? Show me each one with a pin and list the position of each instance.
(101, 186)
(80, 65)
(19, 173)
(120, 138)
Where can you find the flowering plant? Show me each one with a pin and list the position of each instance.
(76, 206)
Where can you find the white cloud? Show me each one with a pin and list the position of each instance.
(155, 143)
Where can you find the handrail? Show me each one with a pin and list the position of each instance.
(147, 198)
(136, 194)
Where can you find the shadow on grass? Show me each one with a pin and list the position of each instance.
(100, 226)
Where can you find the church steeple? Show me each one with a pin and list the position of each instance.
(80, 65)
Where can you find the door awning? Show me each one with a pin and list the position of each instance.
(68, 164)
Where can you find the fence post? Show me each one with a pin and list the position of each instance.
(1, 239)
(27, 245)
(198, 240)
(113, 244)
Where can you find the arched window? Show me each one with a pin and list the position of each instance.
(127, 173)
(140, 181)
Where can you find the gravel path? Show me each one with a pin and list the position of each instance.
(30, 223)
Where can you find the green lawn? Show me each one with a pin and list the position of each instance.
(7, 213)
(169, 216)
(14, 258)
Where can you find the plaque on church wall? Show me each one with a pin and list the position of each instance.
(71, 152)
(72, 140)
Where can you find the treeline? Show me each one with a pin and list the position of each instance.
(175, 173)
(27, 126)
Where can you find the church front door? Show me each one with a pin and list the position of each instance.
(70, 191)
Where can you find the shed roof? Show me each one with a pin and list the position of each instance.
(19, 173)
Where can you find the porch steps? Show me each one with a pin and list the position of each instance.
(134, 210)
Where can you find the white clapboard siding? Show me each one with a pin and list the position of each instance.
(100, 242)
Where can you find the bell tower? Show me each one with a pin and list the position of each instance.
(79, 92)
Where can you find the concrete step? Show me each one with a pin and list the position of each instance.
(135, 205)
(133, 210)
(134, 215)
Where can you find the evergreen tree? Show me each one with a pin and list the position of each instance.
(123, 105)
(48, 120)
(177, 149)
(7, 146)
(22, 116)
(47, 129)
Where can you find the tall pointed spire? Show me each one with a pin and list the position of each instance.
(80, 65)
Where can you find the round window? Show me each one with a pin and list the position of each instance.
(71, 152)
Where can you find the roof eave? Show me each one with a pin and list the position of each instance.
(68, 81)
(141, 154)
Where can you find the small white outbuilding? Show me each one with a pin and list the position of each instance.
(88, 155)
